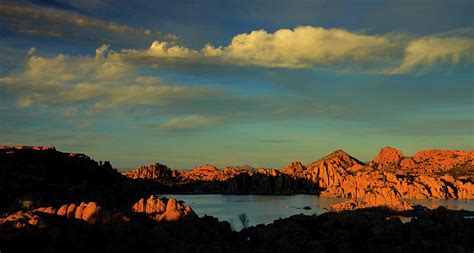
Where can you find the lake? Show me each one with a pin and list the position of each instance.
(258, 208)
(264, 209)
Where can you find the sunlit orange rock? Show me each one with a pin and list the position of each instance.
(443, 160)
(387, 157)
(92, 213)
(162, 208)
(331, 170)
(89, 212)
(431, 174)
(407, 163)
(62, 211)
(79, 210)
(71, 210)
(151, 205)
(295, 167)
(383, 197)
(22, 219)
(155, 171)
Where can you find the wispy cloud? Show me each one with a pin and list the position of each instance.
(186, 123)
(49, 22)
(426, 52)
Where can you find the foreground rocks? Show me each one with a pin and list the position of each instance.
(158, 209)
(368, 230)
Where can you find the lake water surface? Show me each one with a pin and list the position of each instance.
(258, 208)
(265, 209)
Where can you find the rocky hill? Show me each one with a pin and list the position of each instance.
(387, 180)
(35, 176)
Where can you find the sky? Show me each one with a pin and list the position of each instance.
(259, 83)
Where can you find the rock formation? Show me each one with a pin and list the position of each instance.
(160, 209)
(387, 158)
(89, 212)
(163, 209)
(431, 174)
(42, 176)
(295, 167)
(383, 197)
(155, 171)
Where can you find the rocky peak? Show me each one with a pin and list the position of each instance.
(388, 157)
(338, 158)
(206, 168)
(155, 171)
(293, 167)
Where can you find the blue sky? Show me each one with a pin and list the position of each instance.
(257, 83)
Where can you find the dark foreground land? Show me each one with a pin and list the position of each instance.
(62, 202)
(373, 230)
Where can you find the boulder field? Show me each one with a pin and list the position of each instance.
(158, 209)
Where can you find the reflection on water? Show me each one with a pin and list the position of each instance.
(454, 204)
(259, 209)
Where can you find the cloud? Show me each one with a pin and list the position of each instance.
(49, 22)
(86, 86)
(124, 81)
(185, 123)
(306, 46)
(314, 48)
(426, 52)
(98, 81)
(302, 47)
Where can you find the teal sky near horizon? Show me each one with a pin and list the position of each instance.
(257, 83)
